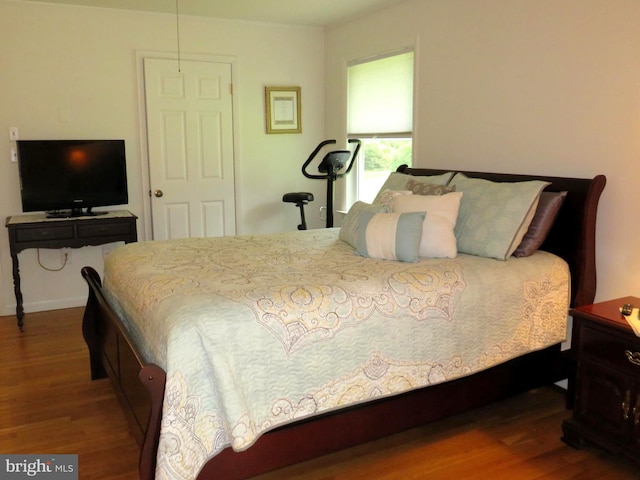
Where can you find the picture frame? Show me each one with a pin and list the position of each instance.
(283, 109)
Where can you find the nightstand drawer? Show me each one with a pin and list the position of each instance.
(44, 234)
(616, 350)
(104, 229)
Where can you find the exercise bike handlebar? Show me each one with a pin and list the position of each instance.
(312, 156)
(318, 148)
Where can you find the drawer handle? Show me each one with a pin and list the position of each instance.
(625, 405)
(633, 357)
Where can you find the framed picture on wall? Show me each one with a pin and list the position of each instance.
(283, 109)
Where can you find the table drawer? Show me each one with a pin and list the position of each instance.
(47, 234)
(104, 229)
(616, 350)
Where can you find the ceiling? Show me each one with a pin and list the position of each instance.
(320, 13)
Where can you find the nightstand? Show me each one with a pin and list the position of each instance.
(606, 407)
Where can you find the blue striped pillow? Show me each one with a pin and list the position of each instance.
(390, 236)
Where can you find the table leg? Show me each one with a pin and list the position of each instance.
(17, 291)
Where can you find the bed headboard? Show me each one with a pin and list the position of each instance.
(573, 235)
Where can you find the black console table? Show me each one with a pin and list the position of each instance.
(38, 231)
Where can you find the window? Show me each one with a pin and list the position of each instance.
(380, 156)
(380, 113)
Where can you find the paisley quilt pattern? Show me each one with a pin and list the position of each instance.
(259, 331)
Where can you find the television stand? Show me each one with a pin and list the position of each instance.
(41, 231)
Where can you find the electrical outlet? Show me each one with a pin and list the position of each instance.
(13, 133)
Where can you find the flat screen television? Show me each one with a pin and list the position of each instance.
(70, 177)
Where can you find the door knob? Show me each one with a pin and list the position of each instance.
(158, 193)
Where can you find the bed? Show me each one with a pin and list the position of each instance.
(304, 299)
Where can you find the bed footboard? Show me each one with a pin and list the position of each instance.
(138, 386)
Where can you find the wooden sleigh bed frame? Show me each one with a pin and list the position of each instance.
(140, 386)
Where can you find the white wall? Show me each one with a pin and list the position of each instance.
(550, 87)
(72, 72)
(546, 87)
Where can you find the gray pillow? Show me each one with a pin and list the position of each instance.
(349, 230)
(390, 236)
(494, 216)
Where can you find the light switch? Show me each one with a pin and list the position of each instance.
(14, 155)
(13, 133)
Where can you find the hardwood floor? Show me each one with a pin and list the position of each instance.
(48, 404)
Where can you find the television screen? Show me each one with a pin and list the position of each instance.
(73, 175)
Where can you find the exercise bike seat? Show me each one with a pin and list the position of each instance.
(297, 197)
(300, 199)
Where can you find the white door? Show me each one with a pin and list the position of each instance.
(190, 143)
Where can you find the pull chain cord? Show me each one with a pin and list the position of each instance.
(178, 34)
(64, 264)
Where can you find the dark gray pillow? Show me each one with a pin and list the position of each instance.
(546, 213)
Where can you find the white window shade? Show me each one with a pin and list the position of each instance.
(380, 96)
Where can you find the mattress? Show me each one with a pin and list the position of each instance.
(255, 332)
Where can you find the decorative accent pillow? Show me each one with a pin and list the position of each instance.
(494, 216)
(418, 188)
(546, 213)
(390, 236)
(398, 181)
(438, 239)
(386, 198)
(349, 230)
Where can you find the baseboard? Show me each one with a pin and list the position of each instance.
(48, 305)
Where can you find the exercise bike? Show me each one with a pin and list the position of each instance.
(331, 168)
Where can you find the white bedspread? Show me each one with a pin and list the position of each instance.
(258, 331)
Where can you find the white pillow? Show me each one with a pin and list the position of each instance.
(438, 239)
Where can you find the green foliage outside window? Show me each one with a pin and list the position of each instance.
(386, 155)
(381, 156)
